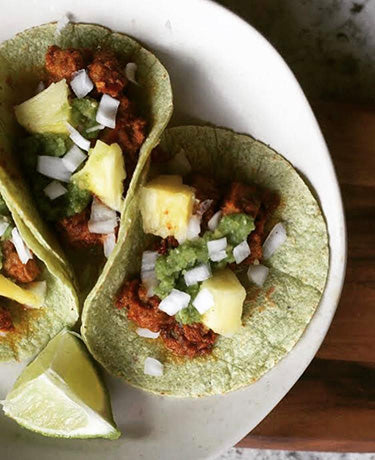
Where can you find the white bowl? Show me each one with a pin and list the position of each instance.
(225, 72)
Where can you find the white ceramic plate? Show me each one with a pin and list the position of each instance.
(223, 71)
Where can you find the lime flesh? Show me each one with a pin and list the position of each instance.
(60, 394)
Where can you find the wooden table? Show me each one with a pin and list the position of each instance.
(332, 406)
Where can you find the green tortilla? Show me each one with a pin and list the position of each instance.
(34, 328)
(275, 316)
(21, 68)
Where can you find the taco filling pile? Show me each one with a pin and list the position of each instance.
(221, 270)
(22, 285)
(188, 291)
(85, 136)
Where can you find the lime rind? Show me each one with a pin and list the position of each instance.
(47, 400)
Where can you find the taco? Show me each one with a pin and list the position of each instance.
(82, 109)
(222, 270)
(37, 298)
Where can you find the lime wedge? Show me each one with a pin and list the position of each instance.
(60, 393)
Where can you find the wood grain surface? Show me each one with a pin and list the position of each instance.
(332, 406)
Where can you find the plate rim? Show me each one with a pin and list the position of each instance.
(340, 277)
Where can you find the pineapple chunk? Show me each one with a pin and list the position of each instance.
(225, 316)
(166, 207)
(33, 297)
(103, 174)
(47, 112)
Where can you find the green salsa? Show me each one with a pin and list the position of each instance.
(75, 199)
(170, 268)
(188, 315)
(4, 211)
(8, 232)
(236, 227)
(54, 145)
(72, 202)
(84, 116)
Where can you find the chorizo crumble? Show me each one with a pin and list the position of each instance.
(14, 268)
(75, 231)
(188, 340)
(62, 63)
(6, 323)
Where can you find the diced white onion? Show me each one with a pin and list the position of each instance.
(203, 301)
(100, 212)
(107, 110)
(274, 240)
(149, 260)
(194, 227)
(199, 273)
(217, 245)
(204, 206)
(214, 221)
(241, 251)
(41, 87)
(130, 70)
(179, 164)
(217, 249)
(73, 158)
(174, 302)
(150, 281)
(109, 244)
(102, 218)
(258, 274)
(53, 167)
(77, 138)
(148, 275)
(153, 367)
(95, 128)
(54, 189)
(103, 227)
(61, 24)
(147, 333)
(81, 83)
(22, 250)
(4, 224)
(218, 256)
(40, 289)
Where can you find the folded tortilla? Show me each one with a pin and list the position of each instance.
(22, 67)
(34, 328)
(275, 316)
